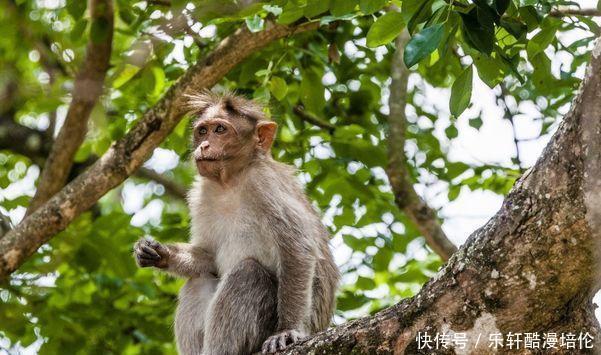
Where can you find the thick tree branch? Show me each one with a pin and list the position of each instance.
(533, 267)
(126, 155)
(87, 89)
(406, 198)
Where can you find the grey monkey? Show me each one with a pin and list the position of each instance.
(260, 274)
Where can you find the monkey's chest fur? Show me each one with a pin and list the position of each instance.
(228, 226)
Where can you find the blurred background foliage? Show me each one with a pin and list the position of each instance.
(82, 293)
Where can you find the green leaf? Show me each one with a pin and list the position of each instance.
(316, 7)
(125, 74)
(501, 6)
(422, 44)
(78, 30)
(490, 69)
(454, 191)
(312, 91)
(371, 6)
(274, 9)
(290, 13)
(365, 283)
(541, 40)
(476, 122)
(76, 8)
(461, 92)
(382, 259)
(451, 131)
(159, 81)
(479, 30)
(514, 26)
(255, 23)
(420, 12)
(278, 87)
(342, 7)
(385, 29)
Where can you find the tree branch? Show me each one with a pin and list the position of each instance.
(405, 196)
(513, 274)
(173, 188)
(312, 119)
(23, 140)
(87, 89)
(126, 155)
(562, 12)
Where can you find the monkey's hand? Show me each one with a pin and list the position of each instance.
(149, 252)
(281, 340)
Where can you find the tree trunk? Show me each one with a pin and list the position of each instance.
(533, 268)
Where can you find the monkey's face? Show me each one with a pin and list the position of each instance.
(223, 142)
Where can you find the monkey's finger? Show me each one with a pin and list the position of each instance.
(273, 345)
(150, 253)
(153, 243)
(145, 261)
(282, 341)
(294, 336)
(265, 349)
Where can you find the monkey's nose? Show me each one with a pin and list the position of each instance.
(204, 145)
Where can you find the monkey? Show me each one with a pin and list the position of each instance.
(260, 274)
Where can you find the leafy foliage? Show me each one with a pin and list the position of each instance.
(82, 293)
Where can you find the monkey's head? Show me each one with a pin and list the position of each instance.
(229, 133)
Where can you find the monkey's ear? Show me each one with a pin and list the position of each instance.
(266, 134)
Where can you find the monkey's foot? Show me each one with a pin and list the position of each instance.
(281, 340)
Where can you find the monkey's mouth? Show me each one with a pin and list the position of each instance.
(211, 158)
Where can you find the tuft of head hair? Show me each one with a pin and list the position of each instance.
(197, 104)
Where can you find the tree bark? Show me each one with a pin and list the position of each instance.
(533, 267)
(86, 91)
(126, 155)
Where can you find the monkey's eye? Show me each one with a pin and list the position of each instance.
(220, 129)
(202, 130)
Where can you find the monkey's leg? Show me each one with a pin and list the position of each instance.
(243, 312)
(191, 313)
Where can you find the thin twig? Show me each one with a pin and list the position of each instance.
(562, 12)
(173, 188)
(312, 119)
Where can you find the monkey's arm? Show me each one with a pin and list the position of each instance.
(186, 260)
(180, 259)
